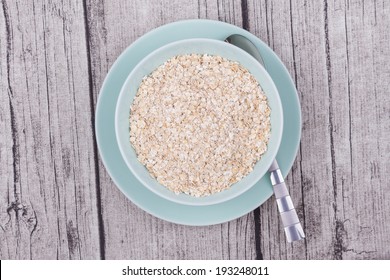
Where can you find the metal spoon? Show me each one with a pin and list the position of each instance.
(290, 220)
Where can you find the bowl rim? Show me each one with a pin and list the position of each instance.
(197, 200)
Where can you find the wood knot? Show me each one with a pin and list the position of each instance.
(17, 207)
(23, 213)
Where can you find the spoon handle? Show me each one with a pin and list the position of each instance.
(288, 214)
(290, 220)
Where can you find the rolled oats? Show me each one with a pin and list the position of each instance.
(199, 123)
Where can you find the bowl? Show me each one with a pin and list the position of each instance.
(198, 46)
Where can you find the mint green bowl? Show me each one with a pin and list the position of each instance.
(199, 46)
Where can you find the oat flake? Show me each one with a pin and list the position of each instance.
(199, 123)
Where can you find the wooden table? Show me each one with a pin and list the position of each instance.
(57, 200)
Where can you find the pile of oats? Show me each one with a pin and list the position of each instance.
(199, 123)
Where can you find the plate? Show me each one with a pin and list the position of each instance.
(117, 168)
(199, 46)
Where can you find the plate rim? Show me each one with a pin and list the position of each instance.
(277, 138)
(135, 44)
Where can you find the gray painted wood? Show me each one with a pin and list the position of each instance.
(57, 200)
(336, 52)
(48, 188)
(125, 225)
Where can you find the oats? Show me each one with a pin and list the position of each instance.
(199, 123)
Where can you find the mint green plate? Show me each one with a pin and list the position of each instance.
(199, 46)
(117, 168)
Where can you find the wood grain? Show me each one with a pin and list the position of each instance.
(361, 174)
(57, 200)
(48, 194)
(335, 51)
(128, 231)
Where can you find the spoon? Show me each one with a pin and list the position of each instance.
(290, 220)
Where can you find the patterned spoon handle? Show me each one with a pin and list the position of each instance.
(290, 220)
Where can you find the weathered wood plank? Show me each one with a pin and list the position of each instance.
(336, 53)
(362, 133)
(128, 231)
(56, 199)
(271, 22)
(48, 189)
